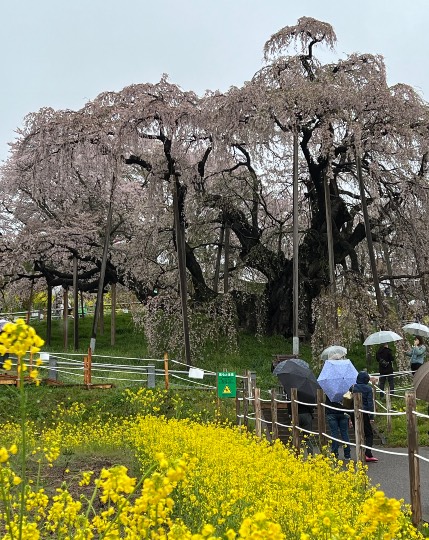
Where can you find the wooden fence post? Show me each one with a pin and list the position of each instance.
(167, 384)
(258, 423)
(245, 407)
(295, 418)
(413, 461)
(89, 367)
(359, 431)
(238, 408)
(321, 419)
(274, 425)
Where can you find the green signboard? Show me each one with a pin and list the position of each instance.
(226, 385)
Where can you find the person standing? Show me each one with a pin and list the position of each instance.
(338, 422)
(417, 353)
(363, 387)
(385, 362)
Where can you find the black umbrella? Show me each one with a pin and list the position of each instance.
(293, 375)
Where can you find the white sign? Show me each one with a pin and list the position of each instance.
(196, 373)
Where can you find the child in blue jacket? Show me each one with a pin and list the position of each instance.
(363, 387)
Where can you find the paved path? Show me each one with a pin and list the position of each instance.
(392, 475)
(391, 472)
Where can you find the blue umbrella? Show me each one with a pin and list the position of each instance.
(336, 378)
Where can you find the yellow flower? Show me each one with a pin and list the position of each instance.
(7, 365)
(4, 455)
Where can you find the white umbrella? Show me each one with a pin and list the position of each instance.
(417, 329)
(2, 323)
(383, 336)
(338, 350)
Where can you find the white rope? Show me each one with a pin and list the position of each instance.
(422, 457)
(421, 415)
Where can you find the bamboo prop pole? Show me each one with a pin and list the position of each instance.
(274, 416)
(258, 423)
(321, 419)
(295, 419)
(413, 461)
(167, 382)
(359, 431)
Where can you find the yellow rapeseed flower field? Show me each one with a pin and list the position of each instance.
(200, 481)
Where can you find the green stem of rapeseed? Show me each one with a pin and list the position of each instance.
(23, 407)
(118, 511)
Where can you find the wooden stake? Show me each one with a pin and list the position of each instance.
(413, 461)
(295, 419)
(274, 417)
(321, 419)
(258, 423)
(359, 431)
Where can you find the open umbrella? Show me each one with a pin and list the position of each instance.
(279, 367)
(421, 382)
(417, 329)
(383, 336)
(336, 378)
(302, 378)
(338, 350)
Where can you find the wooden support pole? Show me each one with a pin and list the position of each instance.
(295, 269)
(321, 419)
(258, 422)
(413, 461)
(368, 233)
(359, 431)
(274, 416)
(167, 382)
(75, 306)
(113, 315)
(66, 317)
(49, 316)
(295, 419)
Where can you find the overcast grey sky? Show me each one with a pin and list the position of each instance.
(62, 53)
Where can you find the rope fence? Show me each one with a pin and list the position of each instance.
(277, 418)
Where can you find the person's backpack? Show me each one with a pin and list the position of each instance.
(383, 363)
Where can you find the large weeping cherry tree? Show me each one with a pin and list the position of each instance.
(225, 159)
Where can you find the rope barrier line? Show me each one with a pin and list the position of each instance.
(421, 415)
(423, 458)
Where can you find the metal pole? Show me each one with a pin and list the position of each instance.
(295, 342)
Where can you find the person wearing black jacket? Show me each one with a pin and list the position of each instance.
(385, 361)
